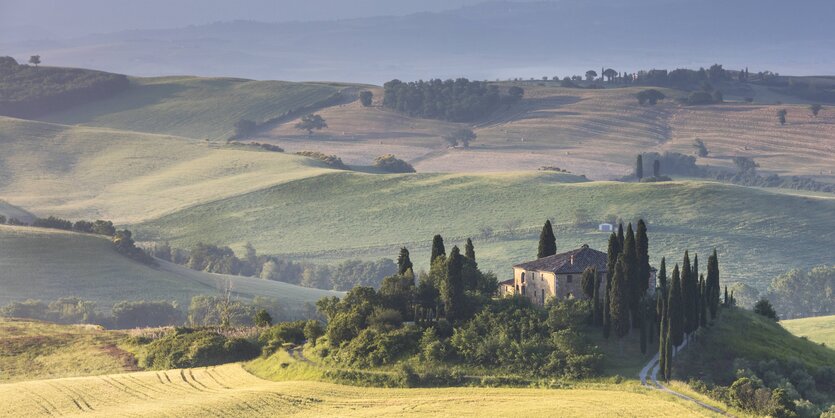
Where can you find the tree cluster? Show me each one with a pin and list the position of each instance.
(331, 161)
(27, 91)
(459, 100)
(393, 164)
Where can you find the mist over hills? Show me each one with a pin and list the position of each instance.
(484, 41)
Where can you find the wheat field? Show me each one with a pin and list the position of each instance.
(230, 391)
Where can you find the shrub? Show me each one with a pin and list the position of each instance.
(651, 96)
(133, 314)
(366, 98)
(330, 160)
(393, 164)
(262, 318)
(764, 308)
(282, 333)
(700, 98)
(189, 348)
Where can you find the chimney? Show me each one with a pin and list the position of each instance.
(572, 259)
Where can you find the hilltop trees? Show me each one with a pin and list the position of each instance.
(781, 116)
(404, 263)
(590, 75)
(35, 60)
(452, 288)
(463, 135)
(311, 122)
(651, 96)
(366, 98)
(437, 248)
(610, 74)
(815, 109)
(459, 100)
(547, 241)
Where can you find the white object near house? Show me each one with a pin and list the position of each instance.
(606, 227)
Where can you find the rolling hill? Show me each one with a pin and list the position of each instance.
(193, 107)
(98, 173)
(46, 264)
(230, 391)
(341, 215)
(820, 329)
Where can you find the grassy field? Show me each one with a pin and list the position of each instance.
(820, 329)
(346, 215)
(48, 264)
(95, 173)
(31, 350)
(195, 107)
(230, 391)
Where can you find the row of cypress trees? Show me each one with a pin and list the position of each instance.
(627, 281)
(685, 304)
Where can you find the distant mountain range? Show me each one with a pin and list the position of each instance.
(487, 41)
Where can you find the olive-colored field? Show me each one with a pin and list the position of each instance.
(46, 264)
(820, 329)
(231, 391)
(31, 350)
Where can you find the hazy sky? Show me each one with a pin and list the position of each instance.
(81, 17)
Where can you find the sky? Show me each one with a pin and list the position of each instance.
(28, 19)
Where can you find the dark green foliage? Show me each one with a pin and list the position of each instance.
(68, 310)
(639, 167)
(588, 281)
(630, 268)
(702, 302)
(701, 148)
(313, 329)
(597, 303)
(656, 168)
(311, 122)
(697, 98)
(644, 334)
(619, 299)
(244, 128)
(463, 136)
(331, 161)
(612, 256)
(651, 96)
(781, 116)
(663, 338)
(662, 275)
(404, 263)
(397, 292)
(620, 237)
(53, 222)
(27, 92)
(188, 348)
(452, 288)
(460, 100)
(213, 259)
(393, 164)
(689, 294)
(800, 293)
(607, 311)
(763, 307)
(469, 250)
(262, 318)
(642, 254)
(374, 347)
(123, 243)
(815, 109)
(366, 98)
(675, 310)
(205, 310)
(547, 241)
(282, 333)
(133, 314)
(437, 248)
(712, 284)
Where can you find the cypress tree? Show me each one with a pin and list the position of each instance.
(612, 256)
(668, 352)
(712, 284)
(404, 263)
(662, 275)
(702, 302)
(656, 168)
(596, 304)
(469, 250)
(726, 295)
(547, 241)
(688, 294)
(662, 335)
(675, 311)
(607, 314)
(630, 262)
(620, 236)
(639, 167)
(437, 248)
(650, 320)
(660, 309)
(588, 280)
(619, 300)
(453, 289)
(642, 253)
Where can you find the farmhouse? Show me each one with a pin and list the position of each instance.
(558, 276)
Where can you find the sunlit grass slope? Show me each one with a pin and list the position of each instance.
(758, 234)
(32, 350)
(231, 391)
(195, 107)
(95, 173)
(819, 329)
(47, 264)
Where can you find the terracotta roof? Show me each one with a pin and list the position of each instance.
(574, 261)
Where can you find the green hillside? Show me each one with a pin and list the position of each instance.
(820, 329)
(81, 172)
(758, 234)
(195, 107)
(47, 264)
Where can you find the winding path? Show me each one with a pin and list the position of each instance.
(649, 378)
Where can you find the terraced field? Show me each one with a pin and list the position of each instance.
(95, 173)
(231, 391)
(195, 107)
(48, 264)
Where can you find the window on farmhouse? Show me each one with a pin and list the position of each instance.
(523, 277)
(568, 278)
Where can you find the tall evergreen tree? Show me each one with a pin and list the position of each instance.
(469, 250)
(639, 167)
(404, 263)
(662, 335)
(726, 295)
(597, 305)
(452, 292)
(630, 259)
(656, 168)
(662, 275)
(668, 351)
(688, 294)
(642, 253)
(587, 281)
(675, 310)
(620, 236)
(612, 257)
(712, 284)
(437, 248)
(702, 302)
(547, 241)
(619, 300)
